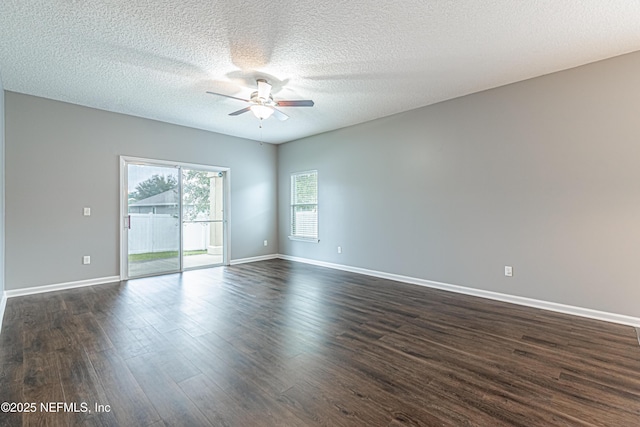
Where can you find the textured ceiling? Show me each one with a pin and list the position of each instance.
(358, 60)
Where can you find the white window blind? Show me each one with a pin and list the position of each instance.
(304, 205)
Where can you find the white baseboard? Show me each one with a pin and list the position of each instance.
(529, 302)
(253, 259)
(60, 286)
(3, 305)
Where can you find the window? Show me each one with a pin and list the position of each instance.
(304, 206)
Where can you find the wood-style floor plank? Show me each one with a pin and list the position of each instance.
(278, 343)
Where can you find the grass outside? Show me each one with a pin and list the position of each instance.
(149, 256)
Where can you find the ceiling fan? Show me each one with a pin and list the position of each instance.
(263, 104)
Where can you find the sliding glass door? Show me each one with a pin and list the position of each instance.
(174, 217)
(153, 220)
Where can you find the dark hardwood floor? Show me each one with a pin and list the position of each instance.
(286, 344)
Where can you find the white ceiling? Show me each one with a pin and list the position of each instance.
(358, 60)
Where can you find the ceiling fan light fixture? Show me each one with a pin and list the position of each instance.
(262, 112)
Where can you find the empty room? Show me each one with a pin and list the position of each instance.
(319, 213)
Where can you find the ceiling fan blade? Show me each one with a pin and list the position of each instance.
(237, 113)
(299, 103)
(279, 115)
(228, 96)
(264, 89)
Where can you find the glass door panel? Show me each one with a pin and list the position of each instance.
(202, 218)
(153, 223)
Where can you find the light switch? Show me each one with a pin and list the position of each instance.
(87, 211)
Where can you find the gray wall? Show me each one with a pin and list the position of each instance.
(63, 157)
(2, 228)
(542, 175)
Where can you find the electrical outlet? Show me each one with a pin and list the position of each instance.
(508, 271)
(339, 249)
(265, 243)
(86, 259)
(86, 211)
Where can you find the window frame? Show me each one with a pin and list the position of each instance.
(293, 206)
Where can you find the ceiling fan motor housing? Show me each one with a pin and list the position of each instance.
(255, 97)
